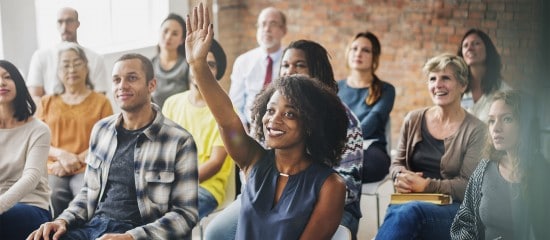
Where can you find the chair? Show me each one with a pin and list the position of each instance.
(342, 233)
(371, 189)
(230, 194)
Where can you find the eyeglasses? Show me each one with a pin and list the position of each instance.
(78, 65)
(271, 24)
(66, 21)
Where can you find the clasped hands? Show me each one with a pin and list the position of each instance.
(409, 182)
(67, 163)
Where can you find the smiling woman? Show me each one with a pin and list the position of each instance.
(307, 204)
(438, 150)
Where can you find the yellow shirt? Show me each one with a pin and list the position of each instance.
(200, 122)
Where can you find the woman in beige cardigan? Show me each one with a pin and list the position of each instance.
(438, 150)
(24, 144)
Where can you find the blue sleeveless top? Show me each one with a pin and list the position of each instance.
(259, 219)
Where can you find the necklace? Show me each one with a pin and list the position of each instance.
(283, 174)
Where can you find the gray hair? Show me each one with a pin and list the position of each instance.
(71, 46)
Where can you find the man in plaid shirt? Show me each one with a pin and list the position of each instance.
(141, 177)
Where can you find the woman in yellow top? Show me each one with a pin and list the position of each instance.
(189, 110)
(70, 113)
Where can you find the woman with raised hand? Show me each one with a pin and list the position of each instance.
(371, 99)
(310, 58)
(70, 113)
(171, 68)
(291, 191)
(479, 52)
(24, 144)
(438, 150)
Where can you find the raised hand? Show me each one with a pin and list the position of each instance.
(199, 35)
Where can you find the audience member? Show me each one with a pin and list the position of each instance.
(70, 114)
(291, 192)
(490, 209)
(24, 143)
(42, 78)
(486, 212)
(438, 150)
(310, 58)
(141, 177)
(189, 110)
(171, 68)
(485, 80)
(253, 70)
(371, 99)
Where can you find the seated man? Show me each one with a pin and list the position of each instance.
(141, 175)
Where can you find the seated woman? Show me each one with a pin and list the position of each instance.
(24, 144)
(171, 68)
(310, 58)
(479, 52)
(438, 150)
(189, 110)
(291, 192)
(70, 113)
(487, 211)
(371, 99)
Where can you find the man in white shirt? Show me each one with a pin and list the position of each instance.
(42, 78)
(250, 69)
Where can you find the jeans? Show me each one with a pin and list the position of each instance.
(224, 225)
(418, 220)
(207, 202)
(376, 163)
(351, 222)
(21, 219)
(64, 189)
(95, 228)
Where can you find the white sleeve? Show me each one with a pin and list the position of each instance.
(35, 78)
(237, 89)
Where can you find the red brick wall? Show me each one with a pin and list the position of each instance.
(410, 31)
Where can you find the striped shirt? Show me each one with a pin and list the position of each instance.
(165, 175)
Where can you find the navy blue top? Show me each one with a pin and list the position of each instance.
(373, 118)
(260, 219)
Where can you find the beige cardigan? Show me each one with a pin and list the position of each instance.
(462, 153)
(24, 152)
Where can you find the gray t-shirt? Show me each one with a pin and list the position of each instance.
(170, 82)
(495, 208)
(119, 201)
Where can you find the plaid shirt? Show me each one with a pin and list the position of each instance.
(165, 174)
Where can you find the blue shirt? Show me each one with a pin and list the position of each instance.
(373, 118)
(261, 219)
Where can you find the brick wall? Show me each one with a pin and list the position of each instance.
(410, 31)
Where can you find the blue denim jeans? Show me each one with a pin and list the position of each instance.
(207, 202)
(21, 219)
(95, 228)
(418, 220)
(351, 222)
(224, 225)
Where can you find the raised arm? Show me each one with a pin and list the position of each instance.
(240, 146)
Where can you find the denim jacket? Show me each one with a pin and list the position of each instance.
(165, 174)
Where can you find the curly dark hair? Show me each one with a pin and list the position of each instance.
(323, 116)
(492, 79)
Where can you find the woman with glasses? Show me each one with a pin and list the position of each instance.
(70, 113)
(438, 150)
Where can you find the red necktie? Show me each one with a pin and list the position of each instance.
(269, 71)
